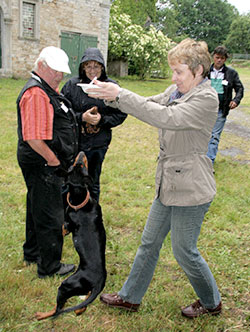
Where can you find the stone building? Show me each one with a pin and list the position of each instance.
(27, 26)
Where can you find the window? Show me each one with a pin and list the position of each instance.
(29, 19)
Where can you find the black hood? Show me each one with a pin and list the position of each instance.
(92, 54)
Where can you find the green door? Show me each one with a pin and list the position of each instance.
(75, 44)
(0, 39)
(85, 42)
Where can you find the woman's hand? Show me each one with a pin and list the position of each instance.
(107, 91)
(91, 116)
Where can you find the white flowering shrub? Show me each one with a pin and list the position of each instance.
(146, 51)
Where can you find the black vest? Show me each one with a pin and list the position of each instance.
(65, 129)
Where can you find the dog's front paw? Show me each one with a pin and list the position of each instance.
(65, 231)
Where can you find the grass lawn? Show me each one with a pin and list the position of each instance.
(126, 195)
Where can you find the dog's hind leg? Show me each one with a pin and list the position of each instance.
(44, 315)
(80, 311)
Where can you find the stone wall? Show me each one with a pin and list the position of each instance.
(88, 17)
(118, 68)
(6, 24)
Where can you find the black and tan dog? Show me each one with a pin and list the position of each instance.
(84, 220)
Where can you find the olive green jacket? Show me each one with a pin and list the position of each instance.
(184, 175)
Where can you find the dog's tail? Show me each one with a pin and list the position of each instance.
(94, 293)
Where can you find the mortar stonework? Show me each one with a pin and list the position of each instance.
(85, 17)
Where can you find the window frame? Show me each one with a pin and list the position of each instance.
(36, 36)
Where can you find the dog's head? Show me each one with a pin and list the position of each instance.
(77, 176)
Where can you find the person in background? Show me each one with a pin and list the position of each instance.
(47, 140)
(185, 115)
(224, 80)
(97, 118)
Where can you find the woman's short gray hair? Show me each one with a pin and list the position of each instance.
(192, 53)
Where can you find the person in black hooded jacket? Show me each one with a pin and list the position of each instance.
(96, 118)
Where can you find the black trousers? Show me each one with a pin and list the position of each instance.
(44, 218)
(95, 159)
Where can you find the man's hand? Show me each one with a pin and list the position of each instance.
(232, 105)
(42, 148)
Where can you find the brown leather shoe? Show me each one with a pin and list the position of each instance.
(114, 300)
(196, 309)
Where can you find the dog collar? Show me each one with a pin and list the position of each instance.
(78, 207)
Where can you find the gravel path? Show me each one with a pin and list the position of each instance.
(238, 124)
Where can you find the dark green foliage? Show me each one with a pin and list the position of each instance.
(140, 11)
(199, 19)
(238, 39)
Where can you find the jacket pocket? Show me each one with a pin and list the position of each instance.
(178, 176)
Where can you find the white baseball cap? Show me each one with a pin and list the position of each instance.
(56, 59)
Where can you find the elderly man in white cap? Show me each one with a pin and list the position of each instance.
(47, 140)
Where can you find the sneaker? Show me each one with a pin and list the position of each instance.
(64, 270)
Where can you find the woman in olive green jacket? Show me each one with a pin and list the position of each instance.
(185, 115)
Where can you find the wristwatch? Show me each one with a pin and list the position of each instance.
(118, 96)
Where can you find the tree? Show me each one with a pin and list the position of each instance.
(144, 50)
(166, 19)
(238, 39)
(140, 11)
(207, 20)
